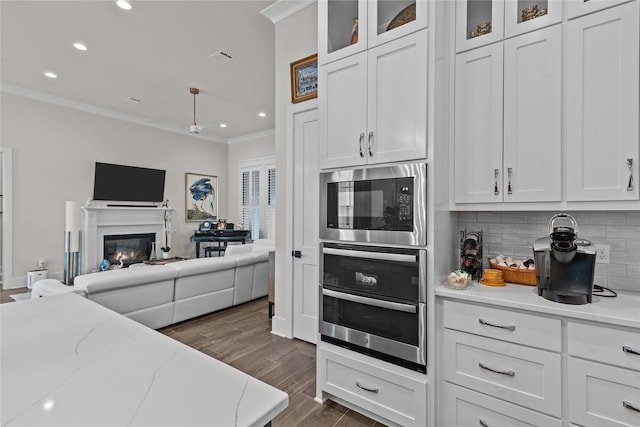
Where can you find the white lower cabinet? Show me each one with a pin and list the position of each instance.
(601, 395)
(462, 407)
(503, 366)
(522, 375)
(387, 392)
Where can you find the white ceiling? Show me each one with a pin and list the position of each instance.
(154, 52)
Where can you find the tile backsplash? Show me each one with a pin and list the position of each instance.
(513, 233)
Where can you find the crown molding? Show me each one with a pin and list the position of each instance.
(282, 9)
(251, 136)
(88, 108)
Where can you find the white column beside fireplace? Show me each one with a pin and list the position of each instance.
(100, 221)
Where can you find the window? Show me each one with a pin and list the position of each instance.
(258, 202)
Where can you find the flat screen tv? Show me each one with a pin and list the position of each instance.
(128, 183)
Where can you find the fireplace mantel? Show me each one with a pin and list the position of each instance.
(106, 220)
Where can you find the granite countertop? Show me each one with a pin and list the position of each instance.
(624, 310)
(68, 361)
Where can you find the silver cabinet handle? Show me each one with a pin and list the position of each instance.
(369, 147)
(483, 423)
(361, 141)
(509, 172)
(493, 325)
(507, 373)
(496, 172)
(628, 349)
(630, 167)
(630, 406)
(370, 389)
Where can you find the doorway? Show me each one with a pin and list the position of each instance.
(305, 205)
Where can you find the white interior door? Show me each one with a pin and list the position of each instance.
(305, 225)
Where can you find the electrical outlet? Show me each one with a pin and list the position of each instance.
(603, 253)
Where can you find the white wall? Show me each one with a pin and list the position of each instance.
(296, 38)
(54, 152)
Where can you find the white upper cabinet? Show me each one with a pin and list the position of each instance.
(532, 117)
(577, 8)
(375, 22)
(478, 23)
(478, 125)
(602, 105)
(481, 22)
(373, 105)
(508, 120)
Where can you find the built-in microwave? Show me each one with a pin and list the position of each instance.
(375, 205)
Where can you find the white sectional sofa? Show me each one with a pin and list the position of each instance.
(161, 295)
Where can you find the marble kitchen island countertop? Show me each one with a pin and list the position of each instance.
(68, 361)
(623, 310)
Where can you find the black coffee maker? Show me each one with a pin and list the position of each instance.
(564, 263)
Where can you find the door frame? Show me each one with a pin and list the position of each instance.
(7, 220)
(282, 322)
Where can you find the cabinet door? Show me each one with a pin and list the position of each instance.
(603, 396)
(582, 7)
(343, 107)
(602, 105)
(391, 19)
(532, 117)
(520, 16)
(478, 125)
(471, 19)
(335, 26)
(397, 100)
(462, 407)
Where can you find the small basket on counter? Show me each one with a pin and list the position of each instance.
(515, 274)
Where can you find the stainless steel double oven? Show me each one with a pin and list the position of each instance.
(374, 262)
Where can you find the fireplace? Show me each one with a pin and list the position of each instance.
(127, 249)
(102, 221)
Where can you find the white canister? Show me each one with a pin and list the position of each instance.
(34, 275)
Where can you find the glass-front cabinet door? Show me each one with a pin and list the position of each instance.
(390, 19)
(351, 26)
(478, 23)
(481, 22)
(522, 16)
(340, 26)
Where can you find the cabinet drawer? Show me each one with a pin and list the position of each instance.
(389, 394)
(604, 344)
(519, 374)
(520, 328)
(462, 407)
(603, 395)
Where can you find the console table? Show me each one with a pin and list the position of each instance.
(222, 237)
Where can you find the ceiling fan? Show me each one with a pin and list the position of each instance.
(195, 128)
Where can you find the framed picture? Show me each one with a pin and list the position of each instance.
(304, 79)
(201, 197)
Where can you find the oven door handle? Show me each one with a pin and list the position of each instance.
(407, 308)
(384, 256)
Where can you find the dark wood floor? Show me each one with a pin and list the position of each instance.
(241, 337)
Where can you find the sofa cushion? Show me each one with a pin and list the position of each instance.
(243, 259)
(122, 278)
(191, 267)
(237, 249)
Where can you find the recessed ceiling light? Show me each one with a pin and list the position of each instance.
(51, 75)
(223, 125)
(262, 114)
(123, 4)
(80, 46)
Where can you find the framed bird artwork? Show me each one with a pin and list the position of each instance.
(201, 201)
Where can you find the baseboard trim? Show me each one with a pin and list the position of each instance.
(282, 327)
